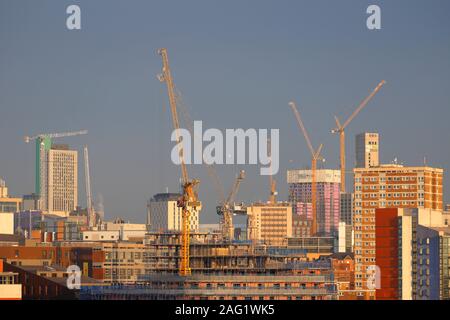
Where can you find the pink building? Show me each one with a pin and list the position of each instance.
(328, 198)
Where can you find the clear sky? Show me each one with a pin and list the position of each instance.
(237, 64)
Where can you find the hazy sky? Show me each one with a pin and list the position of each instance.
(237, 64)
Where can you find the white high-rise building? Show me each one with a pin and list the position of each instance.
(367, 150)
(165, 215)
(62, 180)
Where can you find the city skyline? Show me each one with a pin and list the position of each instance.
(226, 81)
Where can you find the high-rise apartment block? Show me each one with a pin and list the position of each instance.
(43, 145)
(413, 259)
(367, 148)
(328, 196)
(388, 186)
(62, 179)
(56, 184)
(165, 215)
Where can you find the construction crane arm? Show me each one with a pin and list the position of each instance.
(302, 127)
(55, 135)
(209, 167)
(362, 104)
(166, 77)
(317, 153)
(235, 188)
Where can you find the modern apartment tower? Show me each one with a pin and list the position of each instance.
(388, 186)
(56, 177)
(62, 179)
(165, 215)
(43, 145)
(367, 148)
(328, 197)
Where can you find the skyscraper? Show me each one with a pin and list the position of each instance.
(366, 147)
(62, 179)
(388, 186)
(43, 145)
(328, 196)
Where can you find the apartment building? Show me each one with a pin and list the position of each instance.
(62, 180)
(387, 186)
(327, 198)
(269, 223)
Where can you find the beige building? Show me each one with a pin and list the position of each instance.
(62, 187)
(10, 288)
(117, 230)
(389, 186)
(269, 223)
(165, 215)
(367, 148)
(8, 204)
(123, 262)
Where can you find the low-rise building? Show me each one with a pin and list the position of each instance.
(10, 288)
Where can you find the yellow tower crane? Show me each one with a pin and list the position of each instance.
(341, 130)
(315, 155)
(226, 208)
(189, 199)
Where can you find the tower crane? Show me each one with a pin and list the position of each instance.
(226, 209)
(341, 130)
(315, 155)
(189, 199)
(91, 217)
(54, 135)
(210, 169)
(43, 144)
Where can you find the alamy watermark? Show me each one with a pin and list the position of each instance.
(251, 146)
(73, 277)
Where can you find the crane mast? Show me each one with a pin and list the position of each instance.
(341, 130)
(315, 155)
(87, 179)
(226, 209)
(189, 199)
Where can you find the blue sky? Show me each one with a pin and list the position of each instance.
(237, 64)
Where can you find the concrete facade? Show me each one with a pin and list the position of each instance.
(62, 179)
(367, 150)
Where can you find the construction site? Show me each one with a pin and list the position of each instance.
(284, 250)
(267, 262)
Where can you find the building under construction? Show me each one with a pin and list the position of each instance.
(219, 270)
